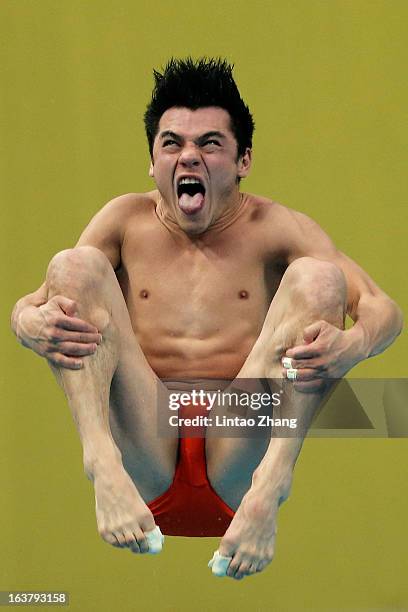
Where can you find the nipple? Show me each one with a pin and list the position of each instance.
(144, 294)
(243, 294)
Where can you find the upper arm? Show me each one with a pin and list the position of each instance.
(106, 230)
(309, 239)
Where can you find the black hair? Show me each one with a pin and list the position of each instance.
(197, 84)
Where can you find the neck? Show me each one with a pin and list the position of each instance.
(229, 213)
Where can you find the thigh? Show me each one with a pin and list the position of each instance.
(231, 461)
(135, 393)
(309, 290)
(149, 454)
(136, 397)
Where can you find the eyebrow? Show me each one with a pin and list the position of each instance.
(209, 134)
(169, 133)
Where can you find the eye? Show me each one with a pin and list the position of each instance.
(212, 141)
(169, 143)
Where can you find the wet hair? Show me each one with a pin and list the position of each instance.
(199, 84)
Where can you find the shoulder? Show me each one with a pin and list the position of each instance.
(287, 230)
(272, 214)
(106, 230)
(130, 204)
(269, 207)
(118, 214)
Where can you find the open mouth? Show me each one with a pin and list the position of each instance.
(191, 195)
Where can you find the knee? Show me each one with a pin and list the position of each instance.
(319, 283)
(78, 267)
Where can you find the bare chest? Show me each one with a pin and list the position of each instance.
(196, 288)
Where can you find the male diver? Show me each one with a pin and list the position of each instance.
(197, 281)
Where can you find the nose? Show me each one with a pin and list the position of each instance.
(189, 156)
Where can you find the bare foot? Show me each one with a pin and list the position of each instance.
(250, 538)
(122, 516)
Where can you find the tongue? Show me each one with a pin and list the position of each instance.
(191, 204)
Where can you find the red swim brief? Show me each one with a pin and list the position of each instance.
(191, 507)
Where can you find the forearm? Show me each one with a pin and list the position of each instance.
(378, 321)
(32, 300)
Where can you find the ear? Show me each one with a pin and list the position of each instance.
(151, 169)
(244, 163)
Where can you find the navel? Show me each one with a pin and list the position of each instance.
(144, 294)
(243, 295)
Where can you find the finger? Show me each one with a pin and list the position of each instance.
(69, 306)
(75, 324)
(311, 363)
(303, 352)
(311, 332)
(73, 349)
(290, 363)
(80, 337)
(303, 374)
(63, 361)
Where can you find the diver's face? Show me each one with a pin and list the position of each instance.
(195, 165)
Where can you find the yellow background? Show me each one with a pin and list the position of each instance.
(326, 82)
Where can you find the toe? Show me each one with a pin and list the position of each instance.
(233, 567)
(262, 565)
(227, 547)
(146, 521)
(253, 568)
(120, 538)
(244, 569)
(109, 538)
(134, 545)
(130, 538)
(142, 541)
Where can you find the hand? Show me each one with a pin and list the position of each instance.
(53, 331)
(327, 353)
